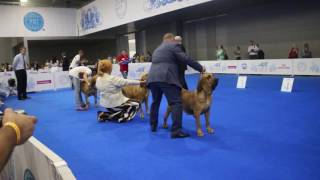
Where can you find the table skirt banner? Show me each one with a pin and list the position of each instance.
(61, 80)
(33, 160)
(40, 81)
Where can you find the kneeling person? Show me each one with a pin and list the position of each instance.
(79, 74)
(119, 108)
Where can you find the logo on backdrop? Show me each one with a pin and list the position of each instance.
(33, 21)
(121, 8)
(90, 18)
(28, 175)
(302, 66)
(149, 5)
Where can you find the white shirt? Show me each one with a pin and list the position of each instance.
(110, 88)
(74, 72)
(19, 62)
(75, 62)
(253, 50)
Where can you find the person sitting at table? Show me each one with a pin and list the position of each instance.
(77, 75)
(119, 108)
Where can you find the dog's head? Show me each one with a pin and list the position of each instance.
(144, 77)
(207, 83)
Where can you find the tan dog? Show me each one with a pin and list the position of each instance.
(89, 90)
(138, 93)
(198, 102)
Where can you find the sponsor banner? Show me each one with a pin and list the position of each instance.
(276, 66)
(137, 70)
(32, 161)
(40, 81)
(61, 80)
(307, 66)
(105, 14)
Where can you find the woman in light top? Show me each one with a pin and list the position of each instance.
(119, 108)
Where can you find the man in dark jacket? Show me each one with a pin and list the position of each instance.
(182, 66)
(164, 79)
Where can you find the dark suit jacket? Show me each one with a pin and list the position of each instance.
(166, 60)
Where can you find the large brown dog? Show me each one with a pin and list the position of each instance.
(138, 93)
(89, 90)
(198, 102)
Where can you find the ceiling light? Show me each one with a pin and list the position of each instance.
(23, 1)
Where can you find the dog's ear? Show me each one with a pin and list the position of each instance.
(200, 85)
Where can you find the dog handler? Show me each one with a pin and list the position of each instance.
(119, 107)
(77, 75)
(164, 79)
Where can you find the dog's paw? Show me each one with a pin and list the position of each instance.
(165, 126)
(210, 130)
(200, 133)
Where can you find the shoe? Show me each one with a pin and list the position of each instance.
(179, 134)
(21, 99)
(27, 97)
(154, 128)
(100, 116)
(81, 109)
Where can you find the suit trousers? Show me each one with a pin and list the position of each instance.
(173, 95)
(21, 76)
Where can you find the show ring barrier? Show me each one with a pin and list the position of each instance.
(53, 80)
(32, 161)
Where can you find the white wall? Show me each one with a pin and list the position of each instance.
(112, 13)
(57, 22)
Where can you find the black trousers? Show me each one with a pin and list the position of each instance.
(21, 76)
(173, 95)
(182, 80)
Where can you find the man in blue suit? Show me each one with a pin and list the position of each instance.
(164, 79)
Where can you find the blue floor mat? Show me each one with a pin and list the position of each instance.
(261, 134)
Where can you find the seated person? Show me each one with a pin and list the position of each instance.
(119, 107)
(77, 75)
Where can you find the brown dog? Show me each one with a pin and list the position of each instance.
(138, 93)
(198, 102)
(89, 90)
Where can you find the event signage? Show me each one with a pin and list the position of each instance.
(287, 84)
(242, 82)
(33, 21)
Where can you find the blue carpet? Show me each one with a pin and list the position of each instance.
(261, 134)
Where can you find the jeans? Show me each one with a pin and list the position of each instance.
(173, 95)
(77, 92)
(124, 74)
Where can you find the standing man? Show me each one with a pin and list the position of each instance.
(65, 61)
(164, 79)
(20, 65)
(253, 50)
(123, 60)
(77, 60)
(182, 67)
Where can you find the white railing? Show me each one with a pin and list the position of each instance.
(33, 160)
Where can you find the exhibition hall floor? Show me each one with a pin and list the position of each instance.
(261, 134)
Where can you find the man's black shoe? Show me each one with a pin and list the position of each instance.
(27, 97)
(154, 128)
(179, 134)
